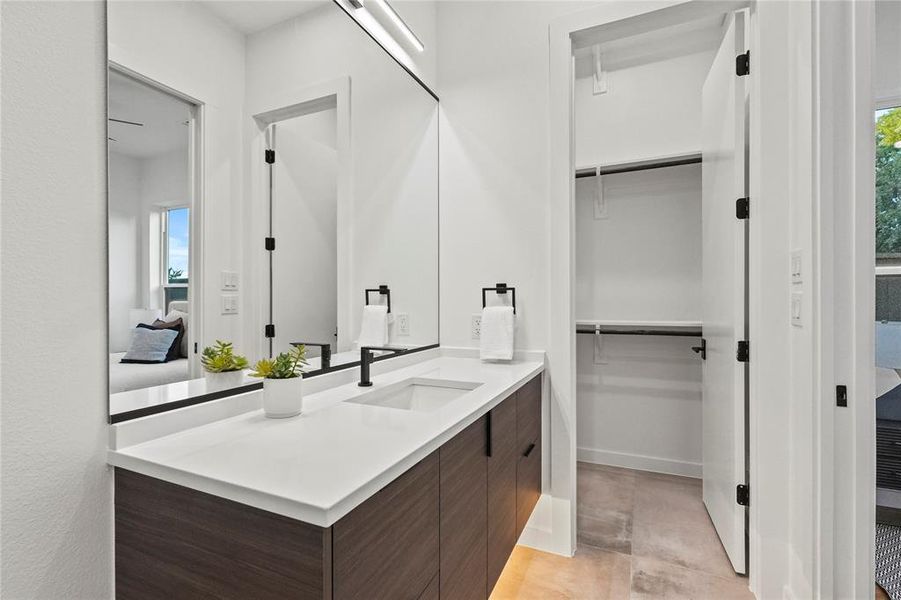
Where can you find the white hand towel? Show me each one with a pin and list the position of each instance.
(496, 338)
(374, 328)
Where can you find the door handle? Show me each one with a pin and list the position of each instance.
(702, 349)
(529, 450)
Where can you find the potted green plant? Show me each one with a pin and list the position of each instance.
(282, 382)
(222, 367)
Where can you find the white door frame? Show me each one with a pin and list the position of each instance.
(334, 93)
(561, 352)
(844, 36)
(195, 243)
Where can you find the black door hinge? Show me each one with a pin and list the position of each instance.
(841, 395)
(743, 64)
(743, 494)
(743, 353)
(195, 347)
(742, 208)
(270, 331)
(270, 244)
(270, 156)
(702, 349)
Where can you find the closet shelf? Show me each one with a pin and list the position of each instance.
(659, 162)
(665, 328)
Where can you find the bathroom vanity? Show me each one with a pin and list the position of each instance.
(416, 488)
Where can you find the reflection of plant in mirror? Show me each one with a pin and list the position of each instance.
(221, 358)
(175, 275)
(284, 366)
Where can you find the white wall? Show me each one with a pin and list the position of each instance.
(494, 161)
(887, 75)
(56, 514)
(182, 45)
(394, 215)
(651, 109)
(124, 235)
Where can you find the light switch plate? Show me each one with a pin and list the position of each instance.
(796, 309)
(797, 266)
(229, 304)
(229, 281)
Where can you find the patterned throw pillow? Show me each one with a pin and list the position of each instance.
(149, 345)
(177, 325)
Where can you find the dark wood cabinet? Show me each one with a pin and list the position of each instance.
(464, 507)
(173, 542)
(388, 546)
(443, 529)
(528, 446)
(502, 459)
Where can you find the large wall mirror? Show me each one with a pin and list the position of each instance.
(273, 181)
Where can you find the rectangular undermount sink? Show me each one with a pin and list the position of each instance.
(419, 393)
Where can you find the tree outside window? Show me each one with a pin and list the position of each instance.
(888, 186)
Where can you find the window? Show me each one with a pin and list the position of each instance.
(888, 214)
(888, 188)
(176, 259)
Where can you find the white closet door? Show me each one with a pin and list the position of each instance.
(724, 318)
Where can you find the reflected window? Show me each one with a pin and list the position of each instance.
(888, 187)
(176, 259)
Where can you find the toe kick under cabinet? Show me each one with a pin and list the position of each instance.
(443, 529)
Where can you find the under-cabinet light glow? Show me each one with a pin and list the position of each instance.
(395, 18)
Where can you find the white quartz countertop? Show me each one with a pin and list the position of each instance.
(319, 466)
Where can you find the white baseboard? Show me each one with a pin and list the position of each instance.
(640, 462)
(550, 527)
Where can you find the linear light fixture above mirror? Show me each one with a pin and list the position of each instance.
(400, 24)
(395, 19)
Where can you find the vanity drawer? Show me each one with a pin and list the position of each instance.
(528, 465)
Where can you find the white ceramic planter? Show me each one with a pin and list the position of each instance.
(282, 397)
(223, 381)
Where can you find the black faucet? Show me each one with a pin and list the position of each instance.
(325, 356)
(367, 358)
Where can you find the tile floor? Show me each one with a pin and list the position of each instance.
(641, 535)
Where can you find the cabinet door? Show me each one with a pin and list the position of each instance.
(528, 446)
(388, 546)
(463, 573)
(501, 487)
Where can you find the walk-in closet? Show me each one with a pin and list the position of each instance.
(661, 206)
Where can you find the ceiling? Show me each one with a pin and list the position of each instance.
(163, 116)
(251, 16)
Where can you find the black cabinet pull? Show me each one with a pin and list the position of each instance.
(490, 412)
(529, 450)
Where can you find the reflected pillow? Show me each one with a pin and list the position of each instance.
(177, 326)
(174, 315)
(149, 345)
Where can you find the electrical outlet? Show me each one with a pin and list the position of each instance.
(476, 327)
(403, 324)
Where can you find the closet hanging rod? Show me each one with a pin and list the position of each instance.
(639, 165)
(665, 332)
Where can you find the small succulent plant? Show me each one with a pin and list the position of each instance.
(221, 358)
(286, 365)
